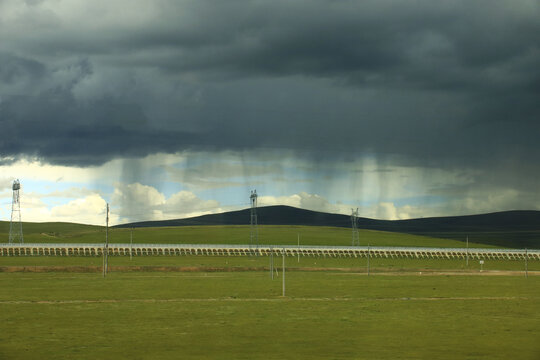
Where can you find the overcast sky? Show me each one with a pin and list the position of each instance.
(169, 109)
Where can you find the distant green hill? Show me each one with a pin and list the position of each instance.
(282, 224)
(52, 232)
(518, 229)
(226, 234)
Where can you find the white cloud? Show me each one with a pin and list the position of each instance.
(89, 210)
(386, 210)
(86, 210)
(186, 200)
(33, 169)
(303, 200)
(137, 202)
(381, 192)
(134, 196)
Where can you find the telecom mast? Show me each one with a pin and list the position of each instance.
(354, 219)
(254, 234)
(15, 226)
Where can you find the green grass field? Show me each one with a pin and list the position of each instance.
(324, 315)
(218, 310)
(286, 235)
(309, 235)
(207, 263)
(275, 235)
(232, 234)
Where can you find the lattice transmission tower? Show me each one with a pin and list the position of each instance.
(15, 226)
(354, 221)
(254, 230)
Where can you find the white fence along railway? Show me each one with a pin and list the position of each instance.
(73, 249)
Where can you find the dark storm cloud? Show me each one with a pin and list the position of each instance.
(58, 130)
(431, 82)
(16, 69)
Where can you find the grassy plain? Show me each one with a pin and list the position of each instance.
(67, 232)
(325, 315)
(231, 234)
(218, 263)
(338, 313)
(275, 235)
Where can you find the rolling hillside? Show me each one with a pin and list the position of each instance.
(512, 229)
(508, 229)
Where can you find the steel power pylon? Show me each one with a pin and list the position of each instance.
(254, 231)
(15, 225)
(355, 236)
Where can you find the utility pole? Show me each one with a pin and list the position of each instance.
(354, 222)
(106, 247)
(130, 243)
(283, 271)
(103, 254)
(272, 263)
(467, 251)
(526, 264)
(298, 249)
(107, 241)
(254, 229)
(368, 260)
